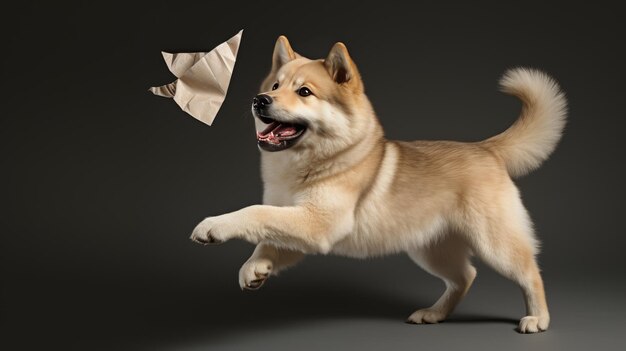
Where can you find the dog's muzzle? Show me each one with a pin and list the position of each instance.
(278, 135)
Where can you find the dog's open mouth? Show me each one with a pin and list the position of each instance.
(278, 135)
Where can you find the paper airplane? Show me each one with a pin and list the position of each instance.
(203, 79)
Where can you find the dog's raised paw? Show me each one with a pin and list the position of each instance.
(205, 233)
(532, 324)
(426, 316)
(254, 273)
(209, 240)
(255, 284)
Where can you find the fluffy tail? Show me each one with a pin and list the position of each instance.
(533, 137)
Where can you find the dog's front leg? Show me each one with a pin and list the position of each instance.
(306, 228)
(267, 259)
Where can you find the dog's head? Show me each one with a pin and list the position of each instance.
(316, 105)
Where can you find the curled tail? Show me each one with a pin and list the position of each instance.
(533, 137)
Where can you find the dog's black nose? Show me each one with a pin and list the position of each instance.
(261, 100)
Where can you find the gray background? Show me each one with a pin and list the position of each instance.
(103, 182)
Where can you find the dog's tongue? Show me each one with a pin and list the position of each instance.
(275, 130)
(285, 129)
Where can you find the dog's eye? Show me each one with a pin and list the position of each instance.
(275, 86)
(304, 91)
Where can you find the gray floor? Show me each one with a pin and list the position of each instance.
(312, 307)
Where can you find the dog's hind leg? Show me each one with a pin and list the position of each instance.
(506, 243)
(267, 259)
(447, 259)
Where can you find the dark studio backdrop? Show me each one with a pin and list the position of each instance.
(102, 182)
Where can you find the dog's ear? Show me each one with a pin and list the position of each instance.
(283, 53)
(340, 66)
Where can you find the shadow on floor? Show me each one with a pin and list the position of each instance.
(141, 316)
(474, 318)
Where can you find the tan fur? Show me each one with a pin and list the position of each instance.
(345, 189)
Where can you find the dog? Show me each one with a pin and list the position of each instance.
(334, 185)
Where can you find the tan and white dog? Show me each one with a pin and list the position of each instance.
(334, 184)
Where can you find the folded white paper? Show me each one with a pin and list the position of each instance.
(203, 79)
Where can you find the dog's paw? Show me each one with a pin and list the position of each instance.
(426, 315)
(208, 232)
(533, 324)
(254, 273)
